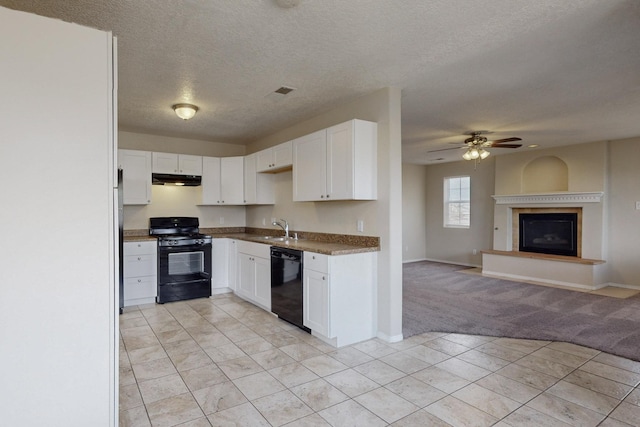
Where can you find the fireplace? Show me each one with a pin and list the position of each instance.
(549, 233)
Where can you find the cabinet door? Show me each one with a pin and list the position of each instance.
(310, 167)
(211, 181)
(189, 165)
(283, 155)
(232, 180)
(263, 282)
(250, 179)
(340, 162)
(315, 308)
(264, 160)
(136, 176)
(165, 163)
(246, 276)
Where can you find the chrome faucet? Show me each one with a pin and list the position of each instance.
(284, 225)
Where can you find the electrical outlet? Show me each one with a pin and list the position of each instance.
(360, 225)
(638, 206)
(475, 251)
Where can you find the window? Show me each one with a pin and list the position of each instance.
(457, 201)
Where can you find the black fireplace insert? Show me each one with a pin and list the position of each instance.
(549, 233)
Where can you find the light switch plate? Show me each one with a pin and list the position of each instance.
(638, 206)
(360, 225)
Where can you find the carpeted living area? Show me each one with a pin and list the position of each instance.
(438, 298)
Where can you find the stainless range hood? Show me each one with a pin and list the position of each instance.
(170, 179)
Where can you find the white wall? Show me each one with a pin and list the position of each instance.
(58, 361)
(414, 212)
(382, 217)
(180, 201)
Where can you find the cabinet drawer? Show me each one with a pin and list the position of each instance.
(136, 248)
(140, 265)
(140, 287)
(316, 262)
(260, 250)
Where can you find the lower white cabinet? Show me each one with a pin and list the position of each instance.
(140, 272)
(253, 278)
(339, 298)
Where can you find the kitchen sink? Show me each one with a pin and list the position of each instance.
(274, 238)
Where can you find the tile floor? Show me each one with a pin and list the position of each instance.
(224, 362)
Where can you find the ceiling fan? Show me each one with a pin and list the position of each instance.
(476, 144)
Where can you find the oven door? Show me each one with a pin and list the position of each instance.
(184, 272)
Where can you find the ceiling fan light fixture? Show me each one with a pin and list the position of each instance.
(185, 111)
(474, 153)
(466, 155)
(484, 154)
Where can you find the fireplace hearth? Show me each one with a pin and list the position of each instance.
(549, 233)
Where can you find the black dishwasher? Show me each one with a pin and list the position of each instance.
(286, 285)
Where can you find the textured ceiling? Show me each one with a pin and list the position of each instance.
(550, 72)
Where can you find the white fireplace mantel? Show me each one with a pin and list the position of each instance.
(549, 198)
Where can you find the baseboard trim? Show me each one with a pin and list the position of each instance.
(444, 261)
(527, 279)
(620, 285)
(390, 339)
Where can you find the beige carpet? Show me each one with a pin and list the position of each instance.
(437, 298)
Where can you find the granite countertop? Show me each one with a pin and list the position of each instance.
(327, 248)
(323, 243)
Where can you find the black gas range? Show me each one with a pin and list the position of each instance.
(184, 258)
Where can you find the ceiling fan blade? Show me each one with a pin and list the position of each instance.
(500, 141)
(494, 145)
(445, 149)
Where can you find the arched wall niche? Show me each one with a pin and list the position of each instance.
(547, 174)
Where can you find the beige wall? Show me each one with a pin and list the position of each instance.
(608, 166)
(167, 144)
(180, 201)
(623, 192)
(414, 212)
(586, 165)
(456, 245)
(382, 217)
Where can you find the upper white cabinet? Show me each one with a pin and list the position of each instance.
(223, 180)
(276, 158)
(258, 187)
(136, 176)
(181, 164)
(337, 163)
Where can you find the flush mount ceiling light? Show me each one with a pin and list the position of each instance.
(185, 111)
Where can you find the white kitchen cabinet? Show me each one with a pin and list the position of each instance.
(223, 180)
(337, 163)
(275, 159)
(136, 176)
(254, 273)
(338, 302)
(258, 187)
(140, 272)
(180, 164)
